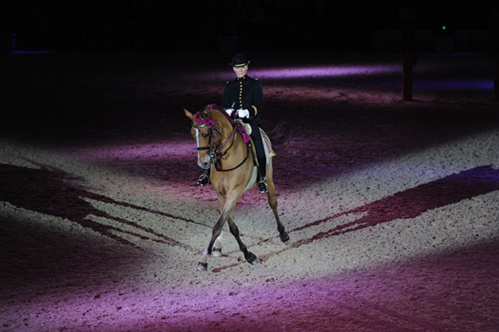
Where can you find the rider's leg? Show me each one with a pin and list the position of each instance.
(262, 160)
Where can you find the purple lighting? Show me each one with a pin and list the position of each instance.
(445, 84)
(324, 71)
(391, 206)
(454, 84)
(395, 297)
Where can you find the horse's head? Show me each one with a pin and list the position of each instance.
(205, 133)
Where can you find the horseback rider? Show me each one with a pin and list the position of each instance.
(244, 96)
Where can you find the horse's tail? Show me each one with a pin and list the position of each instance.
(279, 136)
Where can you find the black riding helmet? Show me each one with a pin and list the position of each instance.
(239, 60)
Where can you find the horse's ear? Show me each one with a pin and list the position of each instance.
(188, 114)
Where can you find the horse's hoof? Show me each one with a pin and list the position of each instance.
(252, 259)
(284, 237)
(216, 252)
(202, 267)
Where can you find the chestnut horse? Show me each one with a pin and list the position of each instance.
(223, 146)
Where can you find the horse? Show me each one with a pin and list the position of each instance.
(224, 147)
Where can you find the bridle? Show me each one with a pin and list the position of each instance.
(214, 147)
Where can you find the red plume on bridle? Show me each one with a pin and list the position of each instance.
(205, 121)
(210, 122)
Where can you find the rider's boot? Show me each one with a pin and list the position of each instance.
(204, 179)
(262, 185)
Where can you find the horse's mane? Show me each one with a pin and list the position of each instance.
(214, 108)
(279, 136)
(221, 110)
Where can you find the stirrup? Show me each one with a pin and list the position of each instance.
(203, 180)
(262, 186)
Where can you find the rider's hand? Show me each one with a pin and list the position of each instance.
(229, 111)
(243, 113)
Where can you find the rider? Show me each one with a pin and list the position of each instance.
(244, 96)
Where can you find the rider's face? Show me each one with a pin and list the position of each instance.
(240, 71)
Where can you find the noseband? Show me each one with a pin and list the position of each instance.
(213, 146)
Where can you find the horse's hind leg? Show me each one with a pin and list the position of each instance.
(248, 255)
(273, 204)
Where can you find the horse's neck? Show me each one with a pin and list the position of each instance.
(224, 124)
(234, 142)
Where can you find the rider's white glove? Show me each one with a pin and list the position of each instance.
(243, 113)
(229, 111)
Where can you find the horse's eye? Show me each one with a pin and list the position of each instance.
(206, 135)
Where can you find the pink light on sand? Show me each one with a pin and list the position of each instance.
(402, 296)
(324, 71)
(317, 71)
(184, 150)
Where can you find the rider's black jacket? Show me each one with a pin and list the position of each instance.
(244, 93)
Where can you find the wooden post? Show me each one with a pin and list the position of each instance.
(407, 45)
(496, 75)
(495, 48)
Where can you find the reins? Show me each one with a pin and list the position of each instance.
(214, 150)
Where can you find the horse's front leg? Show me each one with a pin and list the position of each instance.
(273, 204)
(217, 247)
(217, 230)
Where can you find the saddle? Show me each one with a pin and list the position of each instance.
(246, 130)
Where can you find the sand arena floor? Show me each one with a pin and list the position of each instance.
(391, 206)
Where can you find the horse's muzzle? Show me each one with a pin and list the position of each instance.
(204, 165)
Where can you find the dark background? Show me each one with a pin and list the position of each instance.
(255, 25)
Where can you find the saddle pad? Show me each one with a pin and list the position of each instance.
(269, 152)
